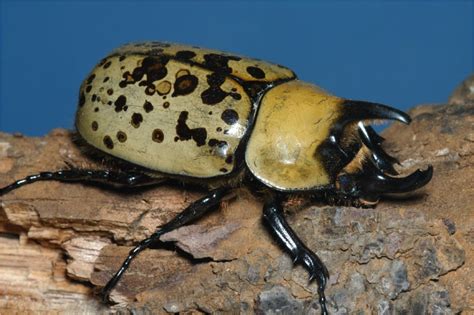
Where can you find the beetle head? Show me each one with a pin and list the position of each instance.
(354, 156)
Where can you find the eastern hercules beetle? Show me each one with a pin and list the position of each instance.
(198, 115)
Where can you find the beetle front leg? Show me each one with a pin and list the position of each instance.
(273, 215)
(191, 213)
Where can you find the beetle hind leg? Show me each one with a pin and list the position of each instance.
(109, 177)
(273, 215)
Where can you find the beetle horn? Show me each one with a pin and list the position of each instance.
(374, 137)
(382, 183)
(361, 110)
(381, 159)
(375, 182)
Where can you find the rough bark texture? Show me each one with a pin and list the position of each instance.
(58, 242)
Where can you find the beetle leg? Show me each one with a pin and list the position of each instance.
(114, 178)
(191, 213)
(273, 215)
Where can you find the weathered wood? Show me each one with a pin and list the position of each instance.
(58, 242)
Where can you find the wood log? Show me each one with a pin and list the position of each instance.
(60, 242)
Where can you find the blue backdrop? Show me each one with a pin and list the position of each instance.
(399, 53)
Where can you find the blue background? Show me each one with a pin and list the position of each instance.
(398, 53)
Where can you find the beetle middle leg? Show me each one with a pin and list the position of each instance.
(191, 213)
(273, 215)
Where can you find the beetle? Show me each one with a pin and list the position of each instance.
(172, 111)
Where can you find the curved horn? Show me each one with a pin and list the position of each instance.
(362, 110)
(382, 160)
(374, 136)
(380, 183)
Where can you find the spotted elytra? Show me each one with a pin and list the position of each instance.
(190, 114)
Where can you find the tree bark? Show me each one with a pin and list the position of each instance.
(60, 242)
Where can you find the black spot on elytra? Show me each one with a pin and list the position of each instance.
(109, 144)
(223, 170)
(148, 107)
(185, 54)
(150, 90)
(216, 143)
(121, 104)
(137, 119)
(121, 136)
(106, 79)
(96, 109)
(82, 99)
(122, 58)
(102, 62)
(158, 135)
(107, 64)
(153, 67)
(255, 72)
(94, 125)
(93, 98)
(166, 104)
(214, 94)
(185, 85)
(229, 159)
(184, 133)
(91, 78)
(230, 116)
(219, 63)
(110, 91)
(88, 88)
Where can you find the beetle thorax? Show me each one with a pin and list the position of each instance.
(294, 118)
